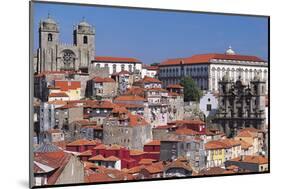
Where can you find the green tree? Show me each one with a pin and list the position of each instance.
(154, 64)
(191, 90)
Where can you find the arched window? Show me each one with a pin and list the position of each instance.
(50, 37)
(85, 39)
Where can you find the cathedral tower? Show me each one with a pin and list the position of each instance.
(48, 41)
(84, 39)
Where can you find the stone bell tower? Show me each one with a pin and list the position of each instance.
(84, 39)
(48, 41)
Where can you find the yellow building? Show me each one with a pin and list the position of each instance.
(215, 152)
(219, 151)
(71, 88)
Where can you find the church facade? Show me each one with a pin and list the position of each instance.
(240, 105)
(52, 55)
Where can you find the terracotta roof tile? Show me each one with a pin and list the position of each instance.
(153, 143)
(86, 153)
(129, 98)
(146, 161)
(97, 158)
(115, 59)
(83, 142)
(178, 164)
(59, 94)
(245, 134)
(251, 159)
(67, 85)
(103, 80)
(206, 58)
(136, 152)
(175, 86)
(186, 131)
(147, 79)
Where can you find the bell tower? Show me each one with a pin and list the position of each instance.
(84, 39)
(48, 41)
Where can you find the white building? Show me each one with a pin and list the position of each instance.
(150, 71)
(208, 104)
(207, 69)
(118, 64)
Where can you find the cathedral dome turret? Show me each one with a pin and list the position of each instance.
(84, 27)
(49, 24)
(49, 21)
(84, 23)
(229, 51)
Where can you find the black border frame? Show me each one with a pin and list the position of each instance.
(31, 84)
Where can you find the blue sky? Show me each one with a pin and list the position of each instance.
(153, 36)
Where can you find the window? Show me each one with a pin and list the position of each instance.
(50, 37)
(122, 67)
(98, 65)
(106, 65)
(114, 68)
(85, 39)
(209, 107)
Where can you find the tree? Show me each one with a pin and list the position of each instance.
(154, 64)
(191, 90)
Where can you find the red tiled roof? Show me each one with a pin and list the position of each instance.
(146, 161)
(67, 85)
(83, 142)
(178, 164)
(147, 79)
(175, 86)
(58, 102)
(100, 147)
(103, 80)
(135, 91)
(221, 144)
(56, 160)
(137, 120)
(112, 158)
(251, 159)
(97, 158)
(206, 58)
(115, 59)
(135, 169)
(129, 98)
(245, 133)
(212, 171)
(86, 153)
(119, 109)
(245, 145)
(155, 168)
(148, 67)
(186, 131)
(153, 143)
(126, 105)
(62, 94)
(136, 152)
